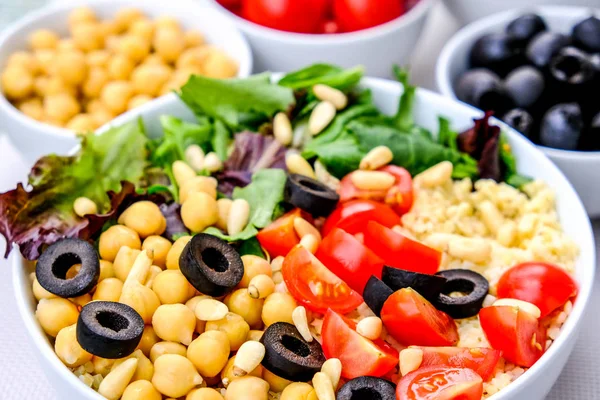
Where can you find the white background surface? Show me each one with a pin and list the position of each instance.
(21, 377)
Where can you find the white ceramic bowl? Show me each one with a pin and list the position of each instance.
(580, 167)
(533, 385)
(34, 138)
(376, 48)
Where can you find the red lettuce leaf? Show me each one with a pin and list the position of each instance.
(482, 143)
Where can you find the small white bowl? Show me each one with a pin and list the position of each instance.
(533, 385)
(376, 48)
(581, 167)
(34, 138)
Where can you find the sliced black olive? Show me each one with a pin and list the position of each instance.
(498, 52)
(288, 355)
(525, 86)
(519, 119)
(211, 265)
(474, 286)
(483, 89)
(310, 195)
(544, 46)
(428, 286)
(376, 293)
(108, 329)
(586, 34)
(367, 388)
(53, 264)
(562, 126)
(573, 66)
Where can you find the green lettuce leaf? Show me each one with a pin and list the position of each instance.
(404, 116)
(331, 75)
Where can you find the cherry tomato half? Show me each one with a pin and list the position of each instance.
(398, 251)
(346, 257)
(545, 285)
(359, 355)
(518, 334)
(314, 286)
(353, 216)
(480, 359)
(354, 15)
(302, 16)
(440, 383)
(280, 237)
(412, 320)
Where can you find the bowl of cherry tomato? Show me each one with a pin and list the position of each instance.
(287, 34)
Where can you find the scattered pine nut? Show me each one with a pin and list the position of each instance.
(282, 129)
(321, 117)
(248, 357)
(296, 164)
(332, 95)
(84, 206)
(194, 155)
(210, 310)
(261, 286)
(301, 321)
(182, 172)
(370, 327)
(333, 368)
(115, 383)
(325, 177)
(529, 308)
(277, 277)
(223, 207)
(323, 386)
(277, 263)
(303, 228)
(139, 270)
(372, 180)
(410, 360)
(239, 213)
(376, 158)
(310, 242)
(212, 162)
(436, 175)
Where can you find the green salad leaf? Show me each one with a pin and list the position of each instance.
(404, 117)
(326, 74)
(511, 175)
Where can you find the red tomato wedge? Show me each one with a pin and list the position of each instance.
(314, 286)
(481, 360)
(518, 334)
(353, 216)
(412, 320)
(359, 355)
(399, 196)
(280, 237)
(398, 251)
(349, 259)
(440, 383)
(545, 285)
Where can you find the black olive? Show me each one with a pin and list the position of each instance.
(108, 329)
(211, 265)
(367, 388)
(520, 120)
(590, 141)
(525, 27)
(428, 286)
(53, 264)
(562, 126)
(544, 46)
(483, 89)
(288, 355)
(525, 86)
(473, 285)
(586, 34)
(310, 195)
(595, 60)
(573, 66)
(376, 293)
(498, 52)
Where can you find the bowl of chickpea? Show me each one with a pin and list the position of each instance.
(68, 69)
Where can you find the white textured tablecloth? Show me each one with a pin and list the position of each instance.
(21, 377)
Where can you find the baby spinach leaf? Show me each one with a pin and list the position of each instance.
(331, 75)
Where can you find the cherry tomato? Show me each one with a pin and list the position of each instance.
(518, 334)
(545, 285)
(354, 15)
(481, 359)
(412, 320)
(440, 383)
(314, 286)
(346, 257)
(398, 251)
(399, 197)
(302, 16)
(353, 216)
(230, 3)
(359, 355)
(280, 237)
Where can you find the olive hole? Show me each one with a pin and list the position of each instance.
(63, 263)
(365, 394)
(295, 345)
(215, 260)
(311, 185)
(459, 285)
(113, 321)
(569, 66)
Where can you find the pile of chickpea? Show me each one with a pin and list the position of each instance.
(106, 67)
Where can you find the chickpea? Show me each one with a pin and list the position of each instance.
(44, 62)
(277, 383)
(40, 85)
(24, 60)
(234, 326)
(114, 238)
(126, 16)
(168, 43)
(149, 79)
(101, 365)
(255, 335)
(88, 36)
(55, 314)
(43, 39)
(182, 75)
(227, 375)
(67, 348)
(278, 307)
(159, 246)
(56, 85)
(175, 252)
(169, 366)
(17, 83)
(297, 391)
(61, 107)
(145, 218)
(220, 65)
(95, 81)
(167, 22)
(82, 123)
(204, 184)
(109, 289)
(253, 266)
(98, 58)
(191, 304)
(102, 116)
(81, 300)
(199, 212)
(71, 66)
(120, 67)
(136, 48)
(209, 352)
(66, 45)
(115, 95)
(170, 86)
(106, 270)
(144, 370)
(148, 340)
(193, 38)
(81, 15)
(138, 100)
(124, 261)
(204, 394)
(250, 309)
(162, 348)
(141, 390)
(193, 57)
(154, 59)
(152, 273)
(143, 300)
(143, 28)
(171, 287)
(39, 292)
(32, 108)
(174, 322)
(247, 388)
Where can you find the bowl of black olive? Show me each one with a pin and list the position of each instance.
(538, 70)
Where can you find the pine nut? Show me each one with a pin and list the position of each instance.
(248, 357)
(84, 206)
(239, 213)
(301, 321)
(194, 155)
(529, 308)
(436, 175)
(377, 158)
(277, 263)
(369, 327)
(410, 360)
(325, 177)
(333, 368)
(115, 383)
(470, 249)
(372, 180)
(303, 228)
(139, 271)
(224, 207)
(210, 310)
(489, 300)
(310, 242)
(277, 277)
(296, 164)
(491, 216)
(261, 286)
(152, 273)
(212, 162)
(323, 386)
(332, 95)
(182, 172)
(282, 129)
(507, 233)
(321, 117)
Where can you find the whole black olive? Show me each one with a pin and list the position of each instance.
(572, 66)
(520, 120)
(562, 126)
(586, 34)
(544, 46)
(525, 27)
(498, 52)
(525, 86)
(590, 140)
(483, 89)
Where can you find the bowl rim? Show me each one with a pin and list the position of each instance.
(568, 331)
(476, 28)
(417, 12)
(7, 109)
